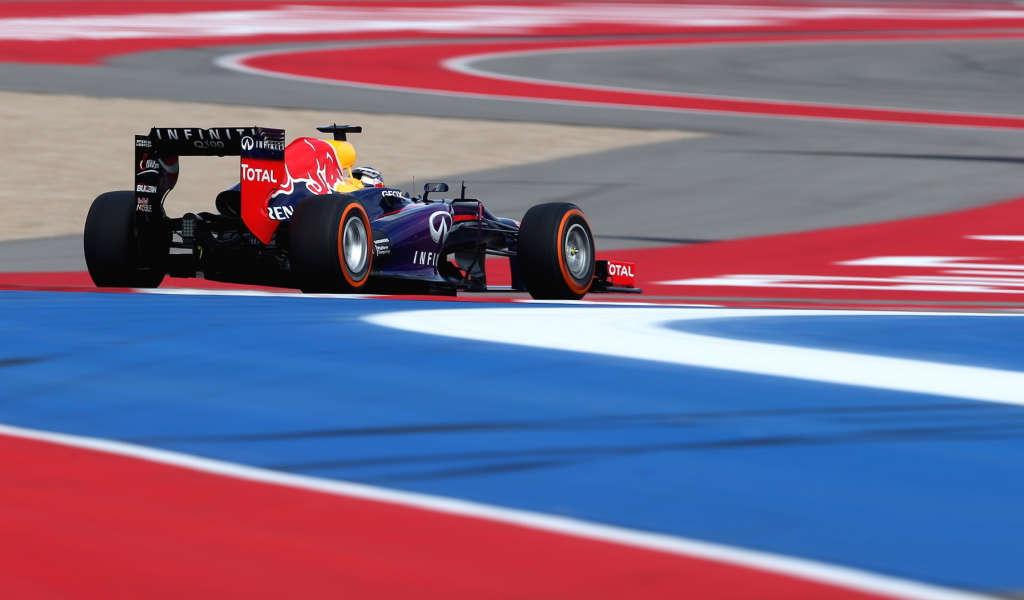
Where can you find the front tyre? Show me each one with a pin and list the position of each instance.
(113, 250)
(331, 244)
(556, 252)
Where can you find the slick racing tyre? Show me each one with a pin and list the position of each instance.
(113, 251)
(331, 244)
(556, 252)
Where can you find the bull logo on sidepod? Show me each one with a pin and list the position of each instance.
(313, 163)
(440, 225)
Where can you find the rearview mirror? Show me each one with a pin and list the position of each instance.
(433, 187)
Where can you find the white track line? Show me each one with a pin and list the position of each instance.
(997, 238)
(641, 333)
(762, 561)
(253, 293)
(482, 18)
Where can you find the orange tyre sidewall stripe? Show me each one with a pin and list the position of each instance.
(576, 288)
(341, 240)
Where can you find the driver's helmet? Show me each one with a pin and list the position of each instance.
(369, 176)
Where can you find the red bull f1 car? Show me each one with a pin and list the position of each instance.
(298, 218)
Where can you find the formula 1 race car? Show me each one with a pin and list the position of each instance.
(299, 219)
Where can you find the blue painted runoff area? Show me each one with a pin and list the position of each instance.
(916, 486)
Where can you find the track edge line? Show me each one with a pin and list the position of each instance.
(838, 576)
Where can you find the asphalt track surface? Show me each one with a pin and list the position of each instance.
(752, 176)
(950, 75)
(871, 473)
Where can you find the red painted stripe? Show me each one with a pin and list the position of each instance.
(78, 281)
(420, 68)
(394, 212)
(822, 254)
(95, 51)
(83, 524)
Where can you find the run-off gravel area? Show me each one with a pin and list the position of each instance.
(61, 151)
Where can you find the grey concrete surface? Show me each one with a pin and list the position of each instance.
(732, 186)
(190, 75)
(981, 76)
(62, 253)
(752, 176)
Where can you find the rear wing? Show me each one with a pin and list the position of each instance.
(262, 166)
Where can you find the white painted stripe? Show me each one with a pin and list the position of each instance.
(483, 18)
(255, 293)
(471, 296)
(907, 283)
(930, 262)
(763, 561)
(641, 333)
(613, 303)
(997, 238)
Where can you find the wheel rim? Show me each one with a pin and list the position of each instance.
(577, 252)
(354, 247)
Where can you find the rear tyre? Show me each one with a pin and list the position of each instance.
(331, 244)
(556, 252)
(113, 250)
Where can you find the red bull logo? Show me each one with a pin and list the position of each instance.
(309, 166)
(314, 163)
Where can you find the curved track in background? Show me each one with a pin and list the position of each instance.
(449, 70)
